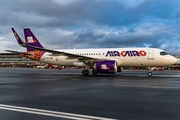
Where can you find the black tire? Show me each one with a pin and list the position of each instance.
(85, 72)
(94, 72)
(149, 74)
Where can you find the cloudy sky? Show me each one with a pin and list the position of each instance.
(93, 23)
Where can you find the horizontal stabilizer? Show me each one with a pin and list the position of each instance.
(18, 52)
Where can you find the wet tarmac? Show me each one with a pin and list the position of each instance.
(43, 94)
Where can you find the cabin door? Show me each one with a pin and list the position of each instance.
(150, 54)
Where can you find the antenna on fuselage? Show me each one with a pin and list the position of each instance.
(147, 46)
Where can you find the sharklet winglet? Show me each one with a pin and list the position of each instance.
(18, 38)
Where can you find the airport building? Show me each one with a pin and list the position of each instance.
(15, 60)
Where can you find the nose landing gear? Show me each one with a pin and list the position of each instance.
(149, 72)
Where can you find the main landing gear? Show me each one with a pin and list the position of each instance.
(94, 72)
(85, 72)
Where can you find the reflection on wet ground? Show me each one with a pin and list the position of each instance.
(126, 95)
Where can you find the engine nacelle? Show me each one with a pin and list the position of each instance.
(79, 64)
(108, 66)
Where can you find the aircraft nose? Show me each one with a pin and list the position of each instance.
(173, 60)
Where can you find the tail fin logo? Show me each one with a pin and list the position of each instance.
(30, 40)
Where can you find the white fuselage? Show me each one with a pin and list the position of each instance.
(150, 57)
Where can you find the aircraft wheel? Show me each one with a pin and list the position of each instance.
(85, 72)
(149, 74)
(94, 72)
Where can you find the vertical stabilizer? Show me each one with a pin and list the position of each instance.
(31, 39)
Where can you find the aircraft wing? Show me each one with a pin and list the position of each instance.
(54, 52)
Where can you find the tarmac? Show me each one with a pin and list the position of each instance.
(43, 94)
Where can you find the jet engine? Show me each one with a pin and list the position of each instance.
(108, 66)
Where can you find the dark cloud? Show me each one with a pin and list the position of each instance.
(93, 23)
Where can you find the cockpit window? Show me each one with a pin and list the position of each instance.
(163, 53)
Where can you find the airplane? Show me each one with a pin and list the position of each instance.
(102, 60)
